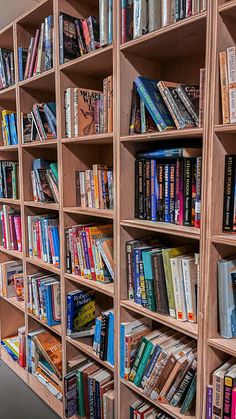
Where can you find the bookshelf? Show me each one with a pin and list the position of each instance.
(176, 52)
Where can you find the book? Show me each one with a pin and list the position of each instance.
(50, 347)
(189, 95)
(80, 313)
(226, 297)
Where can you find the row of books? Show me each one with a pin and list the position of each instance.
(227, 63)
(43, 238)
(168, 186)
(44, 298)
(15, 346)
(44, 359)
(11, 279)
(221, 394)
(9, 127)
(9, 173)
(161, 362)
(89, 252)
(40, 124)
(89, 390)
(141, 409)
(139, 17)
(164, 280)
(10, 228)
(89, 112)
(38, 57)
(44, 177)
(7, 69)
(94, 187)
(163, 105)
(229, 199)
(81, 36)
(104, 336)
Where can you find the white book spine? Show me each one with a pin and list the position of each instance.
(88, 189)
(195, 7)
(140, 18)
(40, 58)
(178, 285)
(166, 9)
(76, 113)
(231, 63)
(154, 15)
(103, 22)
(82, 189)
(190, 284)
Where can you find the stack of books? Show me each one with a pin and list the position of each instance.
(221, 394)
(94, 187)
(103, 342)
(44, 177)
(163, 280)
(40, 124)
(227, 62)
(168, 186)
(38, 57)
(161, 362)
(44, 298)
(139, 17)
(80, 313)
(10, 278)
(229, 199)
(89, 391)
(9, 171)
(44, 356)
(163, 105)
(10, 228)
(9, 127)
(15, 346)
(7, 68)
(89, 252)
(43, 238)
(81, 36)
(89, 112)
(145, 410)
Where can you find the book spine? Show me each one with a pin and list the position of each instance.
(103, 22)
(233, 404)
(130, 279)
(140, 165)
(137, 287)
(224, 87)
(144, 361)
(228, 388)
(218, 396)
(34, 52)
(202, 96)
(209, 394)
(142, 285)
(137, 359)
(197, 220)
(190, 280)
(140, 18)
(148, 190)
(182, 390)
(172, 192)
(151, 365)
(153, 190)
(231, 61)
(123, 21)
(167, 193)
(109, 104)
(229, 192)
(110, 21)
(105, 104)
(188, 166)
(154, 15)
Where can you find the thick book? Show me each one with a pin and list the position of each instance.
(226, 297)
(50, 347)
(189, 95)
(80, 312)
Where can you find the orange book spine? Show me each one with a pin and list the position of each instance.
(224, 87)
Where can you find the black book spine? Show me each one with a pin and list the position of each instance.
(188, 162)
(229, 187)
(164, 307)
(104, 333)
(148, 190)
(161, 198)
(172, 192)
(141, 189)
(177, 10)
(182, 9)
(156, 283)
(68, 253)
(136, 191)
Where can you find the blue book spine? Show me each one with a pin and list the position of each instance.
(167, 193)
(110, 21)
(153, 190)
(151, 364)
(7, 121)
(20, 63)
(50, 112)
(14, 137)
(99, 335)
(29, 354)
(110, 348)
(50, 123)
(43, 239)
(162, 154)
(47, 304)
(57, 241)
(122, 351)
(54, 240)
(48, 257)
(154, 103)
(95, 337)
(137, 287)
(48, 43)
(70, 314)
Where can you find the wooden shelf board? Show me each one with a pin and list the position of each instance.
(45, 395)
(43, 265)
(224, 238)
(88, 350)
(167, 135)
(8, 94)
(13, 300)
(10, 201)
(224, 345)
(166, 228)
(96, 63)
(15, 253)
(155, 44)
(17, 369)
(173, 411)
(107, 289)
(56, 329)
(45, 143)
(190, 329)
(90, 211)
(227, 128)
(9, 148)
(228, 9)
(46, 205)
(36, 81)
(90, 139)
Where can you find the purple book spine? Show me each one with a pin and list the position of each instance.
(86, 254)
(209, 396)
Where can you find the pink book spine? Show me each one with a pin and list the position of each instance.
(51, 245)
(188, 8)
(13, 241)
(17, 224)
(4, 231)
(233, 404)
(33, 58)
(179, 203)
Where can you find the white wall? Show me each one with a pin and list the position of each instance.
(11, 9)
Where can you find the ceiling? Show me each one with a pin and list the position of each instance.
(11, 9)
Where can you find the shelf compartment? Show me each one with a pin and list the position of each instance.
(224, 345)
(45, 395)
(46, 266)
(106, 138)
(56, 329)
(190, 329)
(173, 411)
(87, 349)
(41, 81)
(107, 289)
(46, 205)
(13, 300)
(16, 368)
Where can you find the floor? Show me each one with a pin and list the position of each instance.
(17, 401)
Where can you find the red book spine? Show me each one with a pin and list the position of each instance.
(17, 224)
(123, 25)
(13, 241)
(39, 255)
(189, 8)
(86, 34)
(22, 357)
(33, 57)
(233, 404)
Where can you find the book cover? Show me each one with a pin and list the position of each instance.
(80, 312)
(50, 347)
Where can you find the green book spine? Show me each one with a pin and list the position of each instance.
(54, 169)
(138, 359)
(150, 294)
(142, 366)
(169, 282)
(80, 388)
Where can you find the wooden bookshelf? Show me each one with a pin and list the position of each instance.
(176, 52)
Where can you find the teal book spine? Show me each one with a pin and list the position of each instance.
(138, 359)
(143, 363)
(148, 275)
